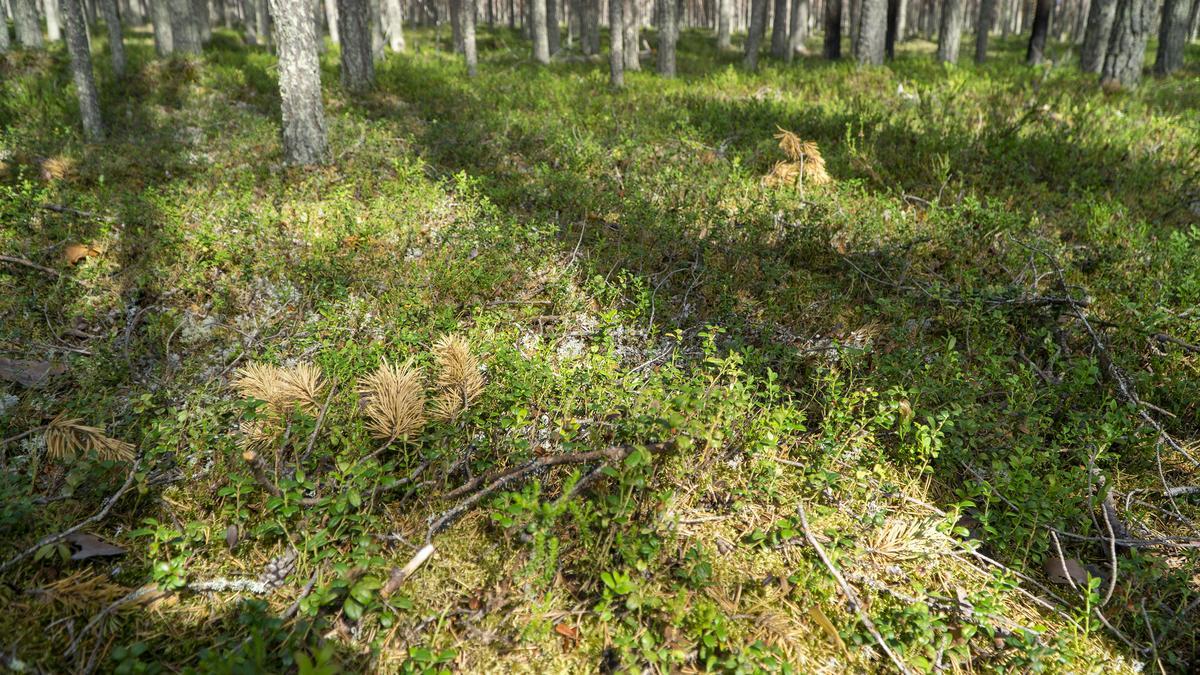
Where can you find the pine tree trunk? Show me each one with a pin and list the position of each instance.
(375, 28)
(779, 30)
(468, 31)
(393, 15)
(894, 11)
(304, 139)
(354, 29)
(203, 25)
(798, 28)
(553, 34)
(541, 39)
(456, 38)
(724, 25)
(116, 42)
(185, 35)
(1127, 44)
(5, 44)
(616, 40)
(758, 27)
(1172, 37)
(667, 32)
(81, 71)
(950, 31)
(833, 29)
(591, 27)
(1037, 36)
(987, 17)
(872, 33)
(262, 19)
(160, 18)
(25, 20)
(53, 20)
(331, 20)
(633, 36)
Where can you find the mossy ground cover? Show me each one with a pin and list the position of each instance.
(901, 355)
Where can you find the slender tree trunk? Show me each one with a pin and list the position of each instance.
(160, 18)
(116, 42)
(591, 27)
(872, 33)
(331, 20)
(616, 40)
(201, 19)
(833, 29)
(394, 17)
(1038, 33)
(304, 138)
(1194, 20)
(456, 36)
(667, 32)
(1172, 36)
(185, 35)
(468, 30)
(25, 20)
(950, 32)
(553, 34)
(758, 21)
(81, 71)
(1127, 44)
(633, 36)
(987, 16)
(5, 44)
(541, 39)
(724, 25)
(779, 30)
(354, 28)
(894, 12)
(53, 20)
(798, 28)
(262, 19)
(851, 26)
(375, 27)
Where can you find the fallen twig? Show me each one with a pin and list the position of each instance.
(13, 260)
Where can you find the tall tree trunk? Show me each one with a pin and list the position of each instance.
(1037, 36)
(779, 30)
(393, 15)
(833, 29)
(375, 26)
(541, 39)
(724, 24)
(456, 37)
(185, 35)
(262, 19)
(354, 28)
(1127, 44)
(116, 42)
(553, 34)
(81, 71)
(633, 36)
(468, 30)
(331, 20)
(872, 33)
(304, 138)
(25, 20)
(987, 16)
(160, 18)
(950, 31)
(851, 26)
(758, 27)
(201, 18)
(616, 41)
(1172, 36)
(591, 27)
(668, 30)
(895, 11)
(798, 28)
(5, 43)
(53, 20)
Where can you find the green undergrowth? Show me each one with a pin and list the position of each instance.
(887, 358)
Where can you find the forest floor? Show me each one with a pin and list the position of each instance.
(973, 348)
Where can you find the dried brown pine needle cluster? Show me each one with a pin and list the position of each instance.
(459, 378)
(282, 388)
(393, 400)
(67, 438)
(804, 164)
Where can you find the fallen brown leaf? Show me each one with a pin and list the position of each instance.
(73, 253)
(84, 546)
(29, 373)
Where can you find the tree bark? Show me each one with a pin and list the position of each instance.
(987, 16)
(872, 33)
(1127, 44)
(468, 30)
(779, 30)
(950, 31)
(724, 24)
(553, 34)
(633, 36)
(895, 10)
(375, 28)
(262, 19)
(185, 35)
(160, 18)
(116, 42)
(394, 17)
(798, 29)
(304, 138)
(1037, 36)
(541, 39)
(616, 40)
(668, 31)
(590, 40)
(1172, 36)
(201, 18)
(833, 29)
(331, 20)
(25, 20)
(53, 20)
(81, 71)
(5, 44)
(754, 36)
(1095, 36)
(354, 29)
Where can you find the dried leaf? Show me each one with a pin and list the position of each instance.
(566, 631)
(29, 373)
(830, 630)
(1066, 571)
(231, 536)
(84, 546)
(73, 253)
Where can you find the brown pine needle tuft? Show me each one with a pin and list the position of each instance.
(302, 385)
(256, 435)
(804, 163)
(67, 438)
(459, 380)
(393, 400)
(281, 388)
(260, 381)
